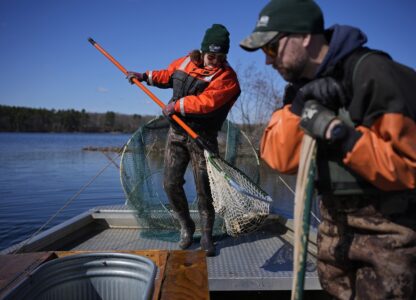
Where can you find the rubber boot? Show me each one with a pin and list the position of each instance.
(207, 244)
(187, 231)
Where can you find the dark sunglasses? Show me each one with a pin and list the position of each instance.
(272, 47)
(212, 55)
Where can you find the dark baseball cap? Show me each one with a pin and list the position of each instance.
(291, 16)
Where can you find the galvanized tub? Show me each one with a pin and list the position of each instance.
(90, 276)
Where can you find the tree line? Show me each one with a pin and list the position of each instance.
(22, 119)
(261, 95)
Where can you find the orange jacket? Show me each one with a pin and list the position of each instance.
(281, 141)
(385, 155)
(202, 96)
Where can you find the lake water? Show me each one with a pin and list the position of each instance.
(41, 172)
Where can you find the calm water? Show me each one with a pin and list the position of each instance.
(40, 172)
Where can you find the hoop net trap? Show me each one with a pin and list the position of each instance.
(238, 201)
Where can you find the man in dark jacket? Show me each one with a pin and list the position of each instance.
(204, 89)
(363, 116)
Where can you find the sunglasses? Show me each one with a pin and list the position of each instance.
(218, 56)
(272, 47)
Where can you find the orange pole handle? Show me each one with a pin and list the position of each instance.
(145, 89)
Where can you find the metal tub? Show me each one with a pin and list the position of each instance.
(89, 276)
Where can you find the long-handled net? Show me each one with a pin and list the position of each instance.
(242, 203)
(141, 173)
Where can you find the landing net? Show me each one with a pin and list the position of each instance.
(141, 173)
(237, 199)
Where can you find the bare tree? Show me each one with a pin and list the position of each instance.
(260, 96)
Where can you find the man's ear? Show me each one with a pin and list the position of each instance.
(306, 40)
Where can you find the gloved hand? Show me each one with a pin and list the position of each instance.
(294, 97)
(139, 76)
(326, 91)
(169, 109)
(316, 119)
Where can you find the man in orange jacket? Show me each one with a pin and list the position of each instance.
(360, 106)
(204, 89)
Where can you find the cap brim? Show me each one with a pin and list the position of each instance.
(257, 40)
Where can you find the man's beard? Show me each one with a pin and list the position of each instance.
(291, 75)
(293, 72)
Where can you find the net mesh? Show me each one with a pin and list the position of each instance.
(237, 199)
(141, 173)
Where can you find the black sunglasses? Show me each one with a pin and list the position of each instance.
(272, 47)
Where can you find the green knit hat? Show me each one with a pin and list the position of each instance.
(216, 39)
(289, 16)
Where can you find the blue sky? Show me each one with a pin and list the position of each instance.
(46, 61)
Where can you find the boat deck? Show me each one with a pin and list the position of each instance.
(259, 261)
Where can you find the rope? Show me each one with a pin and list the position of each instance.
(69, 201)
(111, 159)
(293, 192)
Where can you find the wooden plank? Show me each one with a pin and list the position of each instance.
(16, 267)
(186, 276)
(160, 258)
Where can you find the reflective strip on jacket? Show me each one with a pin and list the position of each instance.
(203, 96)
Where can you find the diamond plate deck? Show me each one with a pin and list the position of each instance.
(257, 261)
